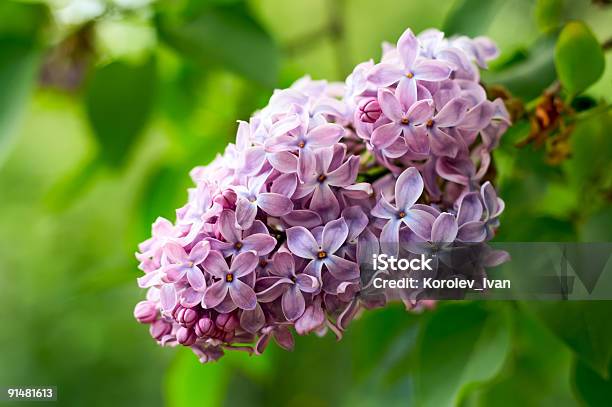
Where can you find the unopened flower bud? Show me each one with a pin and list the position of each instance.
(369, 110)
(160, 328)
(227, 322)
(205, 327)
(145, 312)
(186, 316)
(186, 336)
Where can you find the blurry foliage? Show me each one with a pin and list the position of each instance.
(158, 88)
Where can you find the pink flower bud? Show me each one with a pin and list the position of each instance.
(186, 336)
(145, 312)
(186, 316)
(205, 327)
(160, 328)
(227, 322)
(369, 110)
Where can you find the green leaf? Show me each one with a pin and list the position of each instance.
(471, 17)
(225, 36)
(590, 387)
(19, 58)
(529, 76)
(548, 14)
(461, 345)
(119, 99)
(579, 58)
(584, 326)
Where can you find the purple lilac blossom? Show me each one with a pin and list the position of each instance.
(326, 175)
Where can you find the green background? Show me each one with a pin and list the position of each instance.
(102, 118)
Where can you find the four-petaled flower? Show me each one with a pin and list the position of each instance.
(231, 291)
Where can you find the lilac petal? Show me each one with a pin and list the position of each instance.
(408, 48)
(420, 222)
(390, 105)
(226, 306)
(313, 268)
(384, 75)
(444, 229)
(215, 264)
(254, 159)
(259, 242)
(301, 242)
(244, 263)
(348, 314)
(420, 111)
(452, 113)
(257, 227)
(356, 221)
(384, 209)
(383, 136)
(283, 338)
(149, 279)
(199, 252)
(167, 297)
(196, 278)
(284, 185)
(324, 202)
(285, 125)
(408, 188)
(283, 265)
(253, 320)
(306, 164)
(190, 297)
(215, 294)
(270, 288)
(367, 247)
(470, 208)
(472, 232)
(242, 295)
(341, 269)
(407, 92)
(359, 190)
(227, 226)
(434, 71)
(416, 140)
(346, 174)
(293, 303)
(307, 283)
(478, 117)
(245, 213)
(312, 319)
(175, 252)
(489, 197)
(397, 149)
(389, 237)
(442, 144)
(281, 143)
(324, 158)
(334, 235)
(303, 217)
(496, 257)
(283, 161)
(242, 135)
(274, 204)
(174, 272)
(325, 135)
(224, 247)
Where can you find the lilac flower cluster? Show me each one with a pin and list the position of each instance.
(271, 239)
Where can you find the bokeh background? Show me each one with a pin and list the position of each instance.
(105, 105)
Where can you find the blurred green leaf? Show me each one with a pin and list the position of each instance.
(225, 36)
(579, 57)
(548, 14)
(584, 326)
(528, 76)
(20, 25)
(119, 99)
(461, 345)
(536, 373)
(590, 387)
(471, 17)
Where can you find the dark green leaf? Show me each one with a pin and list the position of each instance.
(579, 58)
(471, 17)
(527, 78)
(225, 36)
(462, 345)
(590, 387)
(584, 326)
(119, 99)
